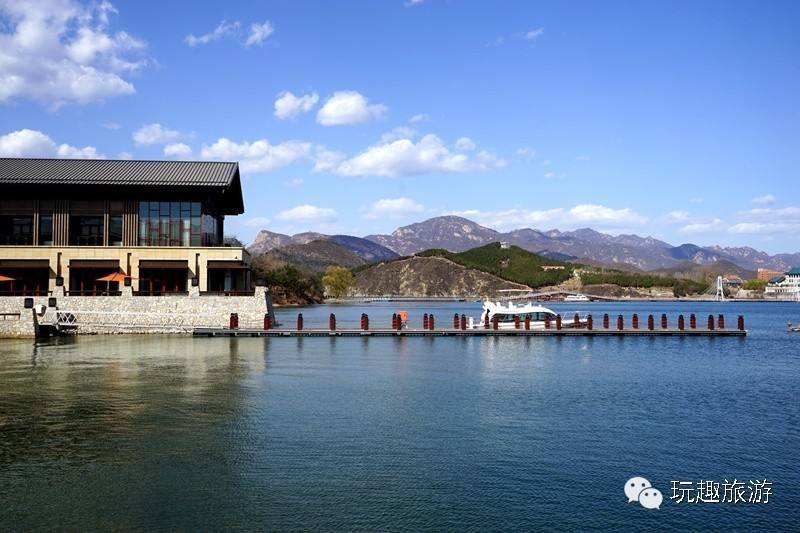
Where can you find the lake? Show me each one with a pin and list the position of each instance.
(400, 434)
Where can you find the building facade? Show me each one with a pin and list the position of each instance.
(766, 274)
(94, 226)
(785, 286)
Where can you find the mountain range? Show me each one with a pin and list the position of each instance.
(457, 234)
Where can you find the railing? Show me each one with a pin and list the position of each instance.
(161, 293)
(122, 321)
(16, 240)
(228, 293)
(25, 292)
(98, 292)
(10, 316)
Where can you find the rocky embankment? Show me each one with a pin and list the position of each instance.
(428, 276)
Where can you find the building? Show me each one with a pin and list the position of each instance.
(785, 286)
(92, 227)
(765, 274)
(732, 280)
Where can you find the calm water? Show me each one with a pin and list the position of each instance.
(135, 432)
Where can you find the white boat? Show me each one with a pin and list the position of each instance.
(507, 314)
(576, 298)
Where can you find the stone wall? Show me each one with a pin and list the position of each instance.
(93, 313)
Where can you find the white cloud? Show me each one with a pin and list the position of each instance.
(349, 107)
(579, 216)
(124, 155)
(223, 29)
(420, 117)
(404, 157)
(767, 199)
(465, 144)
(497, 41)
(400, 132)
(294, 182)
(254, 222)
(111, 125)
(533, 34)
(546, 163)
(527, 152)
(61, 51)
(549, 175)
(258, 33)
(155, 134)
(34, 143)
(258, 156)
(412, 3)
(393, 208)
(178, 151)
(308, 213)
(676, 216)
(768, 220)
(287, 105)
(326, 160)
(703, 226)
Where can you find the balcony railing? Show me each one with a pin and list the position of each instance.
(228, 293)
(161, 293)
(90, 292)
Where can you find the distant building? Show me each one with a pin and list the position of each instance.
(765, 274)
(505, 245)
(552, 267)
(785, 286)
(732, 280)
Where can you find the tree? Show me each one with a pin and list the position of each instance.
(754, 284)
(337, 281)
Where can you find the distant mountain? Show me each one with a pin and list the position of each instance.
(692, 270)
(449, 232)
(314, 256)
(367, 250)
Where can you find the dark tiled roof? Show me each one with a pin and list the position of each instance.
(794, 270)
(23, 171)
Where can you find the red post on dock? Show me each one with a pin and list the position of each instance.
(233, 323)
(395, 318)
(455, 321)
(663, 321)
(741, 323)
(650, 323)
(299, 321)
(721, 322)
(620, 322)
(605, 321)
(635, 321)
(332, 322)
(546, 321)
(527, 322)
(589, 322)
(486, 321)
(267, 321)
(558, 322)
(431, 323)
(711, 322)
(425, 321)
(364, 322)
(495, 323)
(692, 321)
(516, 321)
(399, 323)
(463, 322)
(576, 321)
(681, 324)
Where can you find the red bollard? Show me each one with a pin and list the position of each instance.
(650, 322)
(740, 325)
(267, 321)
(576, 321)
(299, 321)
(711, 322)
(399, 323)
(425, 321)
(558, 322)
(635, 321)
(455, 321)
(431, 322)
(589, 323)
(546, 321)
(692, 321)
(527, 322)
(721, 322)
(234, 321)
(663, 321)
(332, 322)
(463, 322)
(486, 321)
(495, 323)
(366, 322)
(605, 321)
(620, 322)
(516, 321)
(681, 324)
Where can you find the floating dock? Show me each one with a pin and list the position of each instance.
(570, 332)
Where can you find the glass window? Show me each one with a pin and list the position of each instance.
(115, 230)
(85, 230)
(45, 230)
(176, 224)
(16, 229)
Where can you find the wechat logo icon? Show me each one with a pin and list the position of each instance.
(638, 489)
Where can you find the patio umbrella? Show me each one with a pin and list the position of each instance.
(6, 278)
(114, 276)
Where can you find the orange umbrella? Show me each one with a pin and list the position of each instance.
(6, 278)
(115, 276)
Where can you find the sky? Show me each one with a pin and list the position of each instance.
(679, 120)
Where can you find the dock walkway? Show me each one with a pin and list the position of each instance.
(567, 332)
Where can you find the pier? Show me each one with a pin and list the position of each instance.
(714, 327)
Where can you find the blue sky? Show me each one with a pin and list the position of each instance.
(679, 120)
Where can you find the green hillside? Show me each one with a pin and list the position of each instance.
(512, 264)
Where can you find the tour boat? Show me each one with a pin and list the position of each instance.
(507, 314)
(576, 298)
